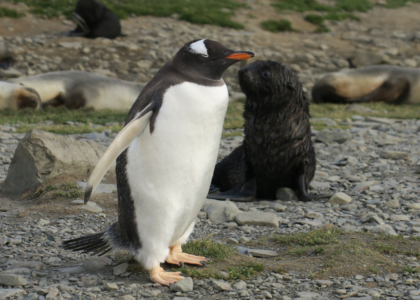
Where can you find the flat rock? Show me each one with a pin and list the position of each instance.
(256, 218)
(12, 280)
(319, 185)
(362, 186)
(70, 45)
(414, 205)
(286, 194)
(340, 198)
(384, 229)
(393, 155)
(220, 211)
(400, 218)
(33, 265)
(120, 269)
(241, 285)
(110, 286)
(221, 285)
(262, 253)
(324, 282)
(97, 263)
(371, 217)
(42, 155)
(333, 136)
(278, 207)
(184, 285)
(9, 293)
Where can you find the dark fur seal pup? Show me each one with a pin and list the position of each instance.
(390, 84)
(166, 156)
(95, 20)
(77, 89)
(277, 150)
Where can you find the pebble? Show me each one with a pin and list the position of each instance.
(12, 280)
(340, 198)
(262, 253)
(257, 218)
(221, 285)
(184, 285)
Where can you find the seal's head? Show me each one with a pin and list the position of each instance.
(271, 82)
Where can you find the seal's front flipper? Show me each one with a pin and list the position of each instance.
(120, 143)
(246, 192)
(302, 192)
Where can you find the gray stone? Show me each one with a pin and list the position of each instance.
(181, 298)
(10, 293)
(393, 155)
(183, 285)
(286, 194)
(324, 282)
(313, 215)
(400, 218)
(363, 186)
(42, 155)
(97, 263)
(392, 276)
(12, 280)
(340, 198)
(362, 58)
(10, 73)
(52, 294)
(319, 185)
(111, 286)
(256, 218)
(395, 203)
(262, 253)
(371, 217)
(220, 211)
(241, 285)
(414, 206)
(360, 108)
(120, 269)
(384, 229)
(333, 136)
(278, 207)
(70, 45)
(221, 285)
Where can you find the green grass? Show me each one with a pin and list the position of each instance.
(245, 270)
(398, 3)
(11, 13)
(313, 5)
(206, 247)
(314, 19)
(322, 29)
(215, 12)
(410, 269)
(277, 26)
(312, 238)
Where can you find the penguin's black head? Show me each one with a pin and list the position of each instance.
(207, 59)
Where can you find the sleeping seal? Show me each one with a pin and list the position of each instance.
(277, 150)
(390, 84)
(95, 20)
(166, 156)
(15, 97)
(76, 89)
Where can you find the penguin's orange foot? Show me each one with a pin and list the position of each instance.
(177, 257)
(159, 275)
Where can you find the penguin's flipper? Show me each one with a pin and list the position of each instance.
(120, 143)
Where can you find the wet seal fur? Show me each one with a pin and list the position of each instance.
(95, 20)
(389, 84)
(77, 89)
(15, 97)
(277, 150)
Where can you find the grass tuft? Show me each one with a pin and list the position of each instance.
(209, 249)
(215, 12)
(315, 237)
(11, 13)
(277, 26)
(245, 270)
(315, 19)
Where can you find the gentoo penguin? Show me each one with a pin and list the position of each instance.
(77, 89)
(389, 84)
(166, 156)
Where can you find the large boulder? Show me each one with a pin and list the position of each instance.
(41, 156)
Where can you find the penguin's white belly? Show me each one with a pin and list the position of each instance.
(170, 170)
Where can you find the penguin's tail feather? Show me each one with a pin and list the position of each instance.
(96, 244)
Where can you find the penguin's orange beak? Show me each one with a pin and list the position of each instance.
(240, 55)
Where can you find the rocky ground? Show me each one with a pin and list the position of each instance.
(373, 163)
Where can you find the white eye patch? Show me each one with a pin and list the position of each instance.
(199, 48)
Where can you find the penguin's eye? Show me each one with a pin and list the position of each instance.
(266, 74)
